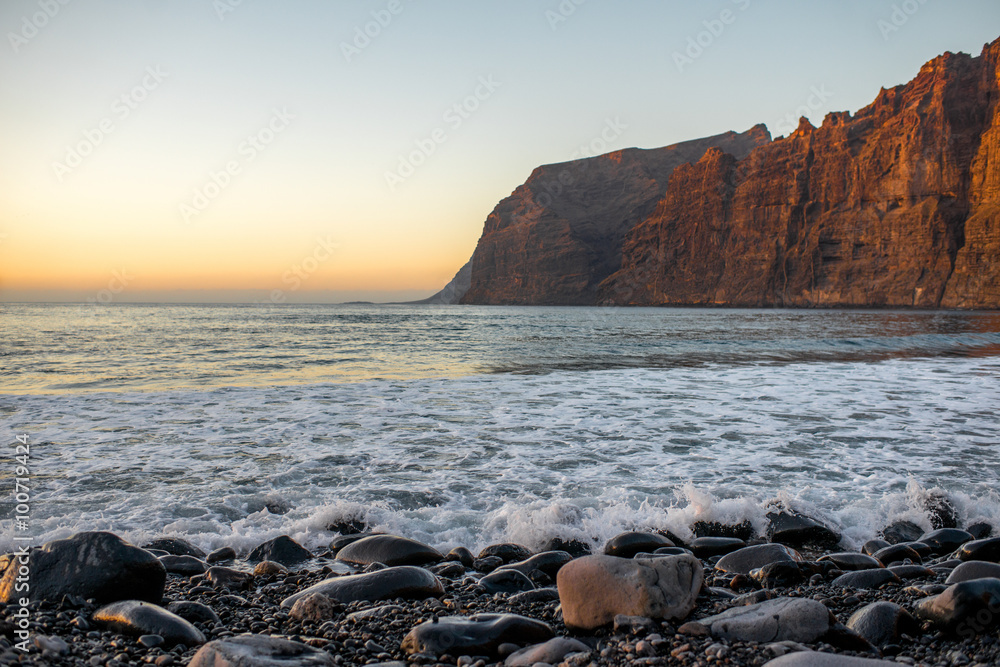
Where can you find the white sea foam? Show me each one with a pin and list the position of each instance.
(489, 458)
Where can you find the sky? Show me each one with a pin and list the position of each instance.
(326, 151)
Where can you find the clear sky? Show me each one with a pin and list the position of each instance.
(302, 150)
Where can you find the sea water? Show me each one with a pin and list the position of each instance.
(229, 425)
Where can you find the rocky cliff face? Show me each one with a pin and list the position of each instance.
(560, 234)
(898, 205)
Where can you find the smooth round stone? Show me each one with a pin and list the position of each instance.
(390, 550)
(902, 531)
(865, 579)
(481, 634)
(507, 552)
(945, 540)
(537, 595)
(175, 546)
(973, 569)
(314, 607)
(574, 548)
(883, 623)
(549, 562)
(781, 619)
(665, 551)
(980, 531)
(227, 577)
(259, 651)
(852, 561)
(461, 555)
(185, 565)
(282, 550)
(97, 565)
(150, 641)
(627, 545)
(871, 547)
(449, 570)
(342, 541)
(798, 530)
(221, 555)
(815, 659)
(969, 607)
(269, 567)
(907, 572)
(897, 553)
(136, 618)
(348, 526)
(193, 612)
(782, 574)
(985, 550)
(393, 582)
(487, 565)
(374, 613)
(709, 547)
(747, 559)
(551, 652)
(506, 581)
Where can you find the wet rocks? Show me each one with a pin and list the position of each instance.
(973, 569)
(906, 572)
(709, 547)
(902, 531)
(507, 552)
(389, 550)
(797, 530)
(866, 579)
(574, 548)
(742, 531)
(137, 618)
(980, 531)
(481, 634)
(945, 540)
(282, 550)
(551, 652)
(815, 659)
(851, 561)
(506, 581)
(184, 565)
(227, 577)
(897, 553)
(393, 582)
(747, 559)
(871, 547)
(460, 555)
(940, 511)
(627, 545)
(269, 567)
(985, 550)
(967, 608)
(221, 555)
(549, 563)
(780, 619)
(314, 607)
(883, 623)
(97, 565)
(259, 651)
(778, 575)
(193, 612)
(175, 546)
(595, 589)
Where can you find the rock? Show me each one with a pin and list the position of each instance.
(508, 553)
(595, 589)
(866, 579)
(269, 567)
(339, 543)
(51, 645)
(897, 553)
(883, 623)
(393, 582)
(537, 595)
(902, 531)
(973, 569)
(348, 526)
(911, 571)
(549, 562)
(814, 659)
(374, 613)
(175, 546)
(633, 625)
(193, 612)
(709, 547)
(462, 555)
(95, 565)
(220, 555)
(967, 608)
(940, 511)
(448, 570)
(506, 581)
(259, 651)
(551, 652)
(778, 575)
(314, 607)
(227, 577)
(747, 559)
(481, 634)
(780, 619)
(487, 565)
(797, 530)
(871, 547)
(574, 548)
(741, 531)
(151, 641)
(980, 531)
(665, 551)
(985, 550)
(389, 550)
(136, 618)
(945, 540)
(282, 550)
(627, 545)
(852, 561)
(185, 565)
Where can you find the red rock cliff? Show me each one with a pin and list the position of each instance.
(898, 205)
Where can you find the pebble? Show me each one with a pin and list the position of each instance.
(390, 550)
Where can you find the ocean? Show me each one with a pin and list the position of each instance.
(229, 425)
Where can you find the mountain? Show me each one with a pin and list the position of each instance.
(897, 205)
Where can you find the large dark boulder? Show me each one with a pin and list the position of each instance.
(389, 583)
(476, 635)
(132, 617)
(175, 546)
(389, 550)
(798, 530)
(96, 565)
(627, 545)
(282, 550)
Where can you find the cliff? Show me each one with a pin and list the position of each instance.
(898, 205)
(560, 234)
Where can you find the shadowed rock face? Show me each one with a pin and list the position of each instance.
(898, 205)
(560, 233)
